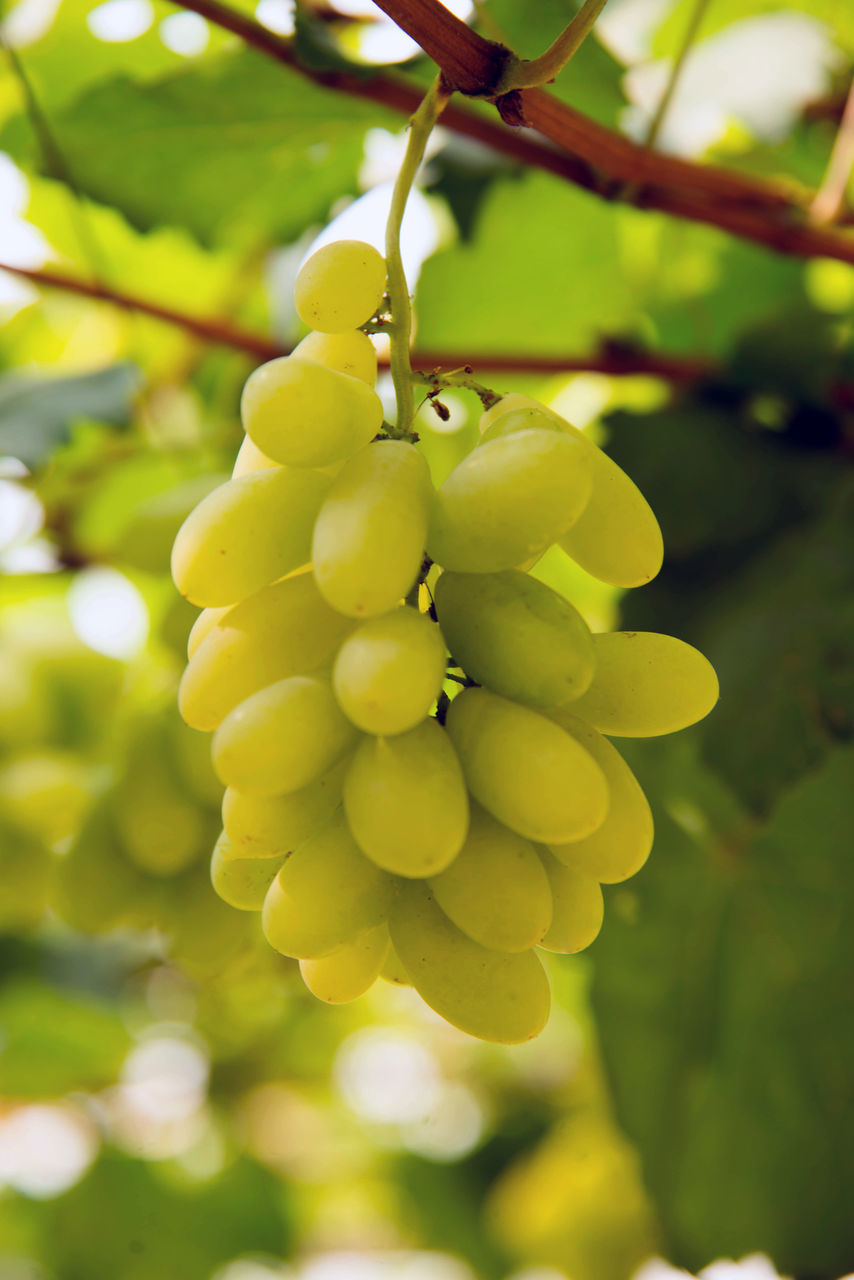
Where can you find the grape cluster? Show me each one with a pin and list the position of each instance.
(411, 728)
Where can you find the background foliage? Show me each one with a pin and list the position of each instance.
(172, 1102)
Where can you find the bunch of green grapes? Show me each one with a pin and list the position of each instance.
(412, 731)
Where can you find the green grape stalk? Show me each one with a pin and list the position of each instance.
(412, 731)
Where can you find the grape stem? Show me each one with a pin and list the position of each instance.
(400, 327)
(528, 73)
(457, 378)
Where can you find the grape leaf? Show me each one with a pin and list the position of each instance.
(54, 1043)
(236, 145)
(36, 413)
(726, 1015)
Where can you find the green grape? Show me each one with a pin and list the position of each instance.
(516, 636)
(282, 737)
(206, 934)
(646, 684)
(389, 671)
(489, 994)
(349, 972)
(242, 882)
(161, 830)
(527, 772)
(45, 793)
(616, 538)
(495, 890)
(246, 534)
(324, 896)
(340, 286)
(26, 715)
(96, 886)
(349, 352)
(305, 415)
(266, 826)
(250, 459)
(204, 624)
(406, 801)
(284, 630)
(191, 754)
(392, 969)
(508, 501)
(578, 907)
(369, 537)
(622, 844)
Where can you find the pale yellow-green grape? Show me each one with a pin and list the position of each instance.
(95, 883)
(406, 800)
(324, 896)
(304, 415)
(194, 774)
(246, 534)
(242, 882)
(516, 636)
(646, 684)
(349, 972)
(340, 286)
(349, 352)
(267, 826)
(45, 793)
(525, 770)
(162, 831)
(285, 630)
(496, 890)
(389, 671)
(622, 844)
(250, 459)
(392, 969)
(509, 500)
(489, 994)
(578, 907)
(617, 537)
(26, 872)
(204, 624)
(369, 537)
(281, 738)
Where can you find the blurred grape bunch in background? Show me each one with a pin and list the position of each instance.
(172, 1103)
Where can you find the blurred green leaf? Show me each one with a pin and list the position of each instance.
(149, 1225)
(37, 413)
(543, 274)
(726, 1015)
(237, 144)
(838, 15)
(53, 1043)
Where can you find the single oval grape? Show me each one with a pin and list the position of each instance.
(286, 629)
(496, 890)
(489, 994)
(246, 534)
(349, 352)
(269, 826)
(368, 541)
(304, 415)
(241, 882)
(516, 636)
(578, 907)
(508, 500)
(350, 971)
(324, 896)
(616, 538)
(389, 671)
(340, 286)
(525, 770)
(406, 800)
(282, 737)
(622, 844)
(646, 684)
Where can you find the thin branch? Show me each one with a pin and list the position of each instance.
(830, 196)
(610, 359)
(219, 332)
